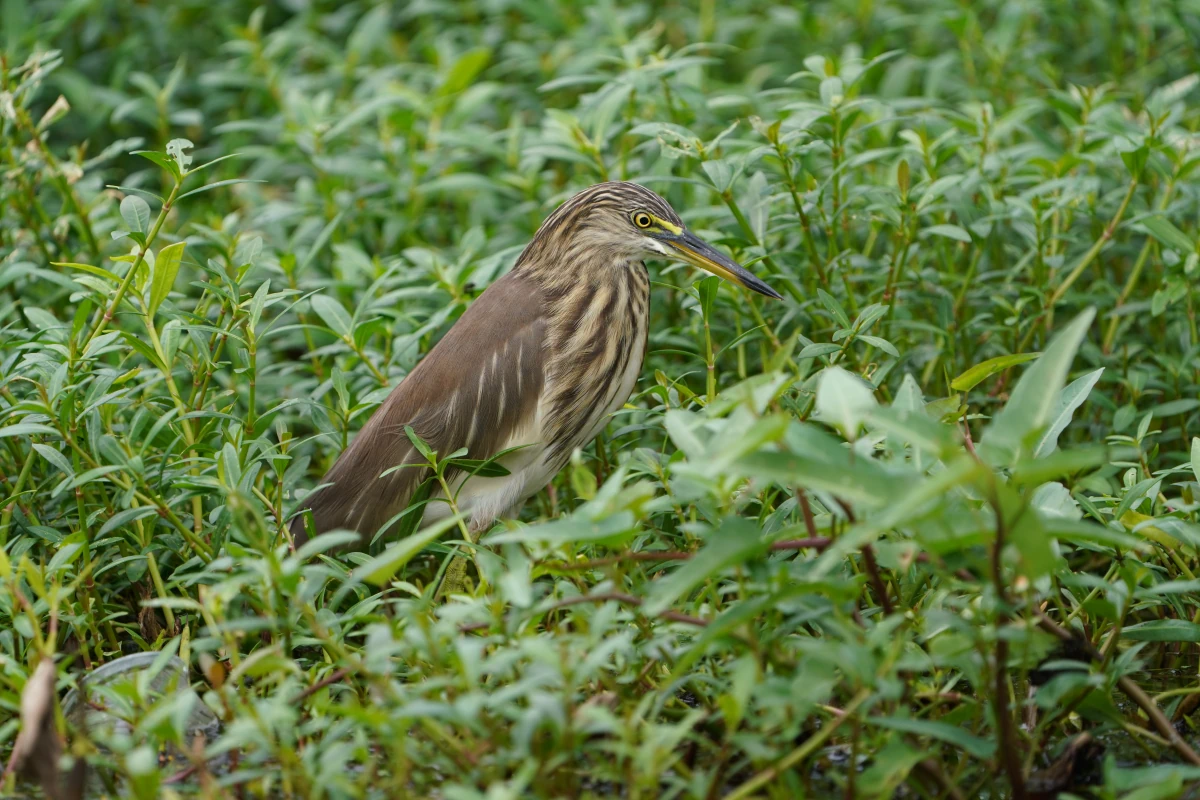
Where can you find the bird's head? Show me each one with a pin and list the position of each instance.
(629, 221)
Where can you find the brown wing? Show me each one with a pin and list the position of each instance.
(475, 388)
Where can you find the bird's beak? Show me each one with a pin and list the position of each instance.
(695, 251)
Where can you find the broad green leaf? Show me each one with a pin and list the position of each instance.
(1162, 229)
(1189, 587)
(99, 272)
(166, 162)
(465, 70)
(984, 370)
(818, 349)
(913, 427)
(733, 543)
(843, 400)
(1070, 398)
(166, 268)
(331, 312)
(1027, 535)
(611, 530)
(707, 288)
(123, 518)
(860, 482)
(954, 232)
(56, 458)
(136, 213)
(177, 149)
(834, 307)
(1196, 457)
(1055, 500)
(942, 731)
(25, 429)
(909, 396)
(681, 427)
(68, 550)
(380, 569)
(1033, 399)
(1163, 630)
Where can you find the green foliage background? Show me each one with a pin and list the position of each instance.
(842, 529)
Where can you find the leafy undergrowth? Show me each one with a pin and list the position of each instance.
(926, 527)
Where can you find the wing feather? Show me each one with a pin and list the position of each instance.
(470, 391)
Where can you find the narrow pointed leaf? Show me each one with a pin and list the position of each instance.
(166, 268)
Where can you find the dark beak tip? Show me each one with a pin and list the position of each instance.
(761, 287)
(772, 293)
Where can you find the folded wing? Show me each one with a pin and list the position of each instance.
(477, 388)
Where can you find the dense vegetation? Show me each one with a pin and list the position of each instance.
(929, 525)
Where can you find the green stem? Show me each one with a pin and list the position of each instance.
(800, 753)
(111, 311)
(6, 515)
(1136, 273)
(748, 232)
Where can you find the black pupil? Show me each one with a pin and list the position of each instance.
(643, 220)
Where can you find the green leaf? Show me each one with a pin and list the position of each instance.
(68, 550)
(862, 483)
(177, 149)
(818, 349)
(733, 543)
(913, 427)
(465, 70)
(1036, 470)
(380, 569)
(834, 307)
(1135, 159)
(408, 520)
(982, 371)
(707, 288)
(843, 400)
(950, 232)
(942, 731)
(1160, 228)
(123, 518)
(419, 443)
(163, 161)
(1163, 630)
(1033, 399)
(331, 312)
(166, 268)
(1196, 457)
(1069, 399)
(56, 458)
(99, 272)
(611, 530)
(25, 429)
(136, 213)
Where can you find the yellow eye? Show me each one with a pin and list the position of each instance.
(642, 219)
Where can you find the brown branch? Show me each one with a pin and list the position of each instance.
(810, 524)
(815, 542)
(876, 579)
(1010, 759)
(930, 769)
(1135, 693)
(332, 677)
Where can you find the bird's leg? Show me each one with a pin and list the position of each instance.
(455, 580)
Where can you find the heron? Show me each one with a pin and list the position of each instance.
(532, 369)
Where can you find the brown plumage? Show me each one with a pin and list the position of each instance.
(538, 361)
